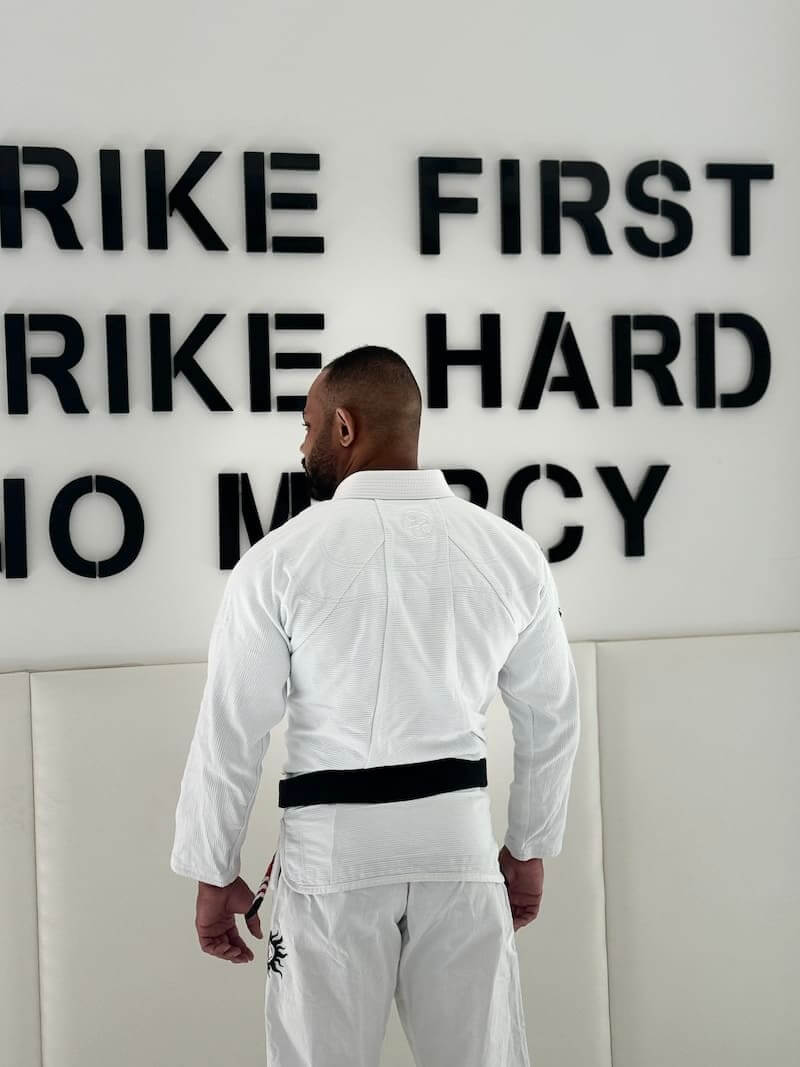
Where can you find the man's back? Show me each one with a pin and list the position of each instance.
(402, 603)
(381, 622)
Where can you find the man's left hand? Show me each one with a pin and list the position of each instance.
(215, 922)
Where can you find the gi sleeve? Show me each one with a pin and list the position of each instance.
(243, 699)
(539, 687)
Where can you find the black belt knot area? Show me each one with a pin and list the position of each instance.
(381, 785)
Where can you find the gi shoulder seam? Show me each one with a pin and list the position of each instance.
(484, 575)
(335, 602)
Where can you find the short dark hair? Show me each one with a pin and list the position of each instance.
(378, 384)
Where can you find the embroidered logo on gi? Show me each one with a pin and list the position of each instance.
(560, 612)
(417, 524)
(276, 952)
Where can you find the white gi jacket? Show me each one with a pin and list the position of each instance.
(382, 621)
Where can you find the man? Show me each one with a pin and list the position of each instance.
(382, 620)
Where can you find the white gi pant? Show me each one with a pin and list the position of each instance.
(446, 952)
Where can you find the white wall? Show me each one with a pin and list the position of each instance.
(371, 87)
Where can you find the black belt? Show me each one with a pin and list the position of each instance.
(381, 785)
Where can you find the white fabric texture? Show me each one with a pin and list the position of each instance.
(446, 953)
(381, 622)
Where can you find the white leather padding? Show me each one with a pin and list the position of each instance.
(123, 978)
(124, 981)
(699, 743)
(19, 958)
(673, 901)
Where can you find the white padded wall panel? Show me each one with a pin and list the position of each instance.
(19, 959)
(118, 940)
(124, 981)
(699, 742)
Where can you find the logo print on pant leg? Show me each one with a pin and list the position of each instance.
(275, 952)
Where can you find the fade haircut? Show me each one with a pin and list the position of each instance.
(378, 385)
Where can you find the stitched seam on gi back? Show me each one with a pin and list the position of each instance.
(337, 600)
(464, 711)
(385, 627)
(484, 575)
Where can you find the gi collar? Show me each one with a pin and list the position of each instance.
(423, 482)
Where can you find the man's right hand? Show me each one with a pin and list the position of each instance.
(524, 880)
